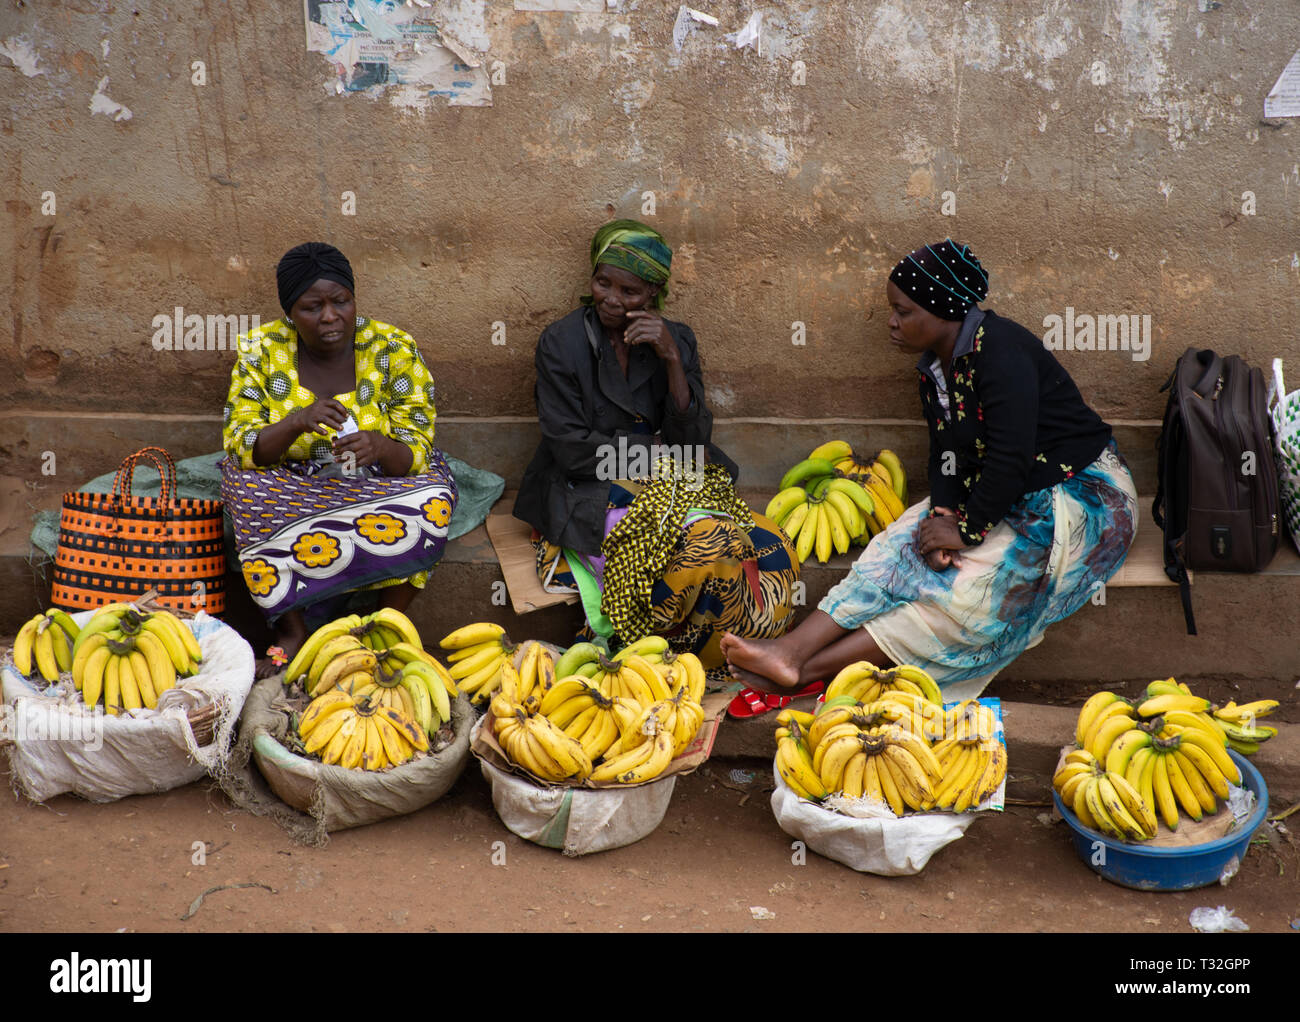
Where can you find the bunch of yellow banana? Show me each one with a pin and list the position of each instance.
(1236, 723)
(973, 762)
(130, 658)
(827, 518)
(357, 733)
(616, 715)
(47, 640)
(1167, 747)
(535, 677)
(1185, 767)
(1107, 800)
(416, 688)
(864, 716)
(885, 468)
(1106, 717)
(632, 677)
(533, 742)
(882, 750)
(865, 682)
(578, 708)
(889, 764)
(794, 761)
(479, 654)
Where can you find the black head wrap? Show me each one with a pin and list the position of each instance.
(303, 265)
(945, 279)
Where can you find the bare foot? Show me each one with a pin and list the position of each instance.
(765, 658)
(751, 680)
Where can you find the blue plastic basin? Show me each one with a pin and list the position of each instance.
(1148, 868)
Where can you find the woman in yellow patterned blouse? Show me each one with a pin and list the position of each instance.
(331, 476)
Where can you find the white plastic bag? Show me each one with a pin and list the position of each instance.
(889, 846)
(60, 745)
(578, 821)
(1284, 409)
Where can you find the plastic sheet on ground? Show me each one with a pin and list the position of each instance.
(59, 745)
(888, 846)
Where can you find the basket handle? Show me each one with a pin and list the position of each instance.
(166, 472)
(1279, 387)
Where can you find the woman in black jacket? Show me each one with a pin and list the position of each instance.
(1031, 508)
(618, 389)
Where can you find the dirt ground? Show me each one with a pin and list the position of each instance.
(718, 863)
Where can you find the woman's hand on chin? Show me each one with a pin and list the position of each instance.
(645, 327)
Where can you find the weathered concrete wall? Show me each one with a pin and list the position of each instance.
(1097, 156)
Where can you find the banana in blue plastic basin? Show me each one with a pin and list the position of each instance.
(1149, 868)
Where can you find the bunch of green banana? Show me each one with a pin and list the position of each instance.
(1238, 725)
(386, 628)
(355, 732)
(129, 657)
(1106, 800)
(47, 640)
(480, 652)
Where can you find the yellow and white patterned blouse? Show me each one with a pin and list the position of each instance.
(394, 392)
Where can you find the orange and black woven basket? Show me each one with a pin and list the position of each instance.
(114, 546)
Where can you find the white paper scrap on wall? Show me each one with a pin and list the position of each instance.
(684, 26)
(1283, 100)
(750, 33)
(567, 6)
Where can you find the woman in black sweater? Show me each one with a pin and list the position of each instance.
(1031, 507)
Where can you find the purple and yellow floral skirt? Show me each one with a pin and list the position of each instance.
(304, 538)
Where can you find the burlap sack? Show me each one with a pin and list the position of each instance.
(310, 799)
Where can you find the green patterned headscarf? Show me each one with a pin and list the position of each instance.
(631, 245)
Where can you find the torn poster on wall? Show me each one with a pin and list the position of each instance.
(398, 49)
(1283, 100)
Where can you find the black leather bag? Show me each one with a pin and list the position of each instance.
(1217, 495)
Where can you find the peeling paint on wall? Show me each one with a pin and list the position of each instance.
(100, 103)
(21, 52)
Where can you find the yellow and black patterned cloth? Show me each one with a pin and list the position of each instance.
(721, 574)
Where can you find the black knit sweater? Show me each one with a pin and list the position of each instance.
(1016, 423)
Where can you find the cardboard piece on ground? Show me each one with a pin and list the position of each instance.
(483, 744)
(511, 539)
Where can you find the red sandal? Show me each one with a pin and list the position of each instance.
(749, 703)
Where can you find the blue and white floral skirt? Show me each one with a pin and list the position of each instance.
(1041, 563)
